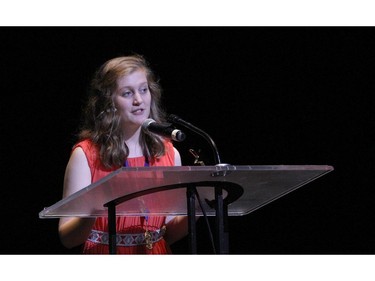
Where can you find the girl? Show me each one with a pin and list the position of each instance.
(124, 94)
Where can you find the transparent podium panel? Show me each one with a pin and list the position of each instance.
(162, 190)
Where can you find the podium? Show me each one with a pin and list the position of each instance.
(224, 190)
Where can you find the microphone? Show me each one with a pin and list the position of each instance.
(165, 130)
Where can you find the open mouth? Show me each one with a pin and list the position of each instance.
(138, 111)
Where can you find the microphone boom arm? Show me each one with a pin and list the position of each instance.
(177, 120)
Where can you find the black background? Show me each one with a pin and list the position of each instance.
(266, 95)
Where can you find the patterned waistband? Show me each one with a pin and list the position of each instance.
(126, 240)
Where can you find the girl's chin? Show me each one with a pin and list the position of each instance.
(135, 122)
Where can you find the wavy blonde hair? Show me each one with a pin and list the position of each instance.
(102, 124)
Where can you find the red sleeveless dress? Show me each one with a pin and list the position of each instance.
(130, 229)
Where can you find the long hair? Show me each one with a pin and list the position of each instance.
(102, 124)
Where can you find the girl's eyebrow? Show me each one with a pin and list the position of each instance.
(129, 87)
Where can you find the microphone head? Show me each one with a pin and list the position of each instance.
(164, 130)
(147, 123)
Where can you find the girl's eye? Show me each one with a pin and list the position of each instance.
(126, 94)
(144, 90)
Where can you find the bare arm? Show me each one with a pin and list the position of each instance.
(74, 231)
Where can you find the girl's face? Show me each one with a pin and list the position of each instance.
(132, 99)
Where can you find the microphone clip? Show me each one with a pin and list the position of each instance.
(196, 156)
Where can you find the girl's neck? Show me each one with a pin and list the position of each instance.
(133, 144)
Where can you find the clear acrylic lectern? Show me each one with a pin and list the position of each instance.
(168, 191)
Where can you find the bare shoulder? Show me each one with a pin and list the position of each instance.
(77, 173)
(78, 156)
(177, 157)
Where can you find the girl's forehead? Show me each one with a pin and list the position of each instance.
(135, 79)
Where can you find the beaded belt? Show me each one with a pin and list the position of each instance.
(127, 240)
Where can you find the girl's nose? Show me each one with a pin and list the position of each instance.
(137, 99)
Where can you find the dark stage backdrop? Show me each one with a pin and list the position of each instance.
(266, 95)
